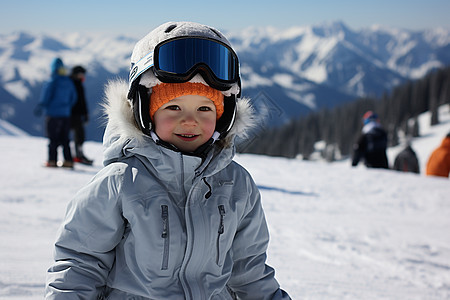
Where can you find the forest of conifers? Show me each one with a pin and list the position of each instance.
(339, 127)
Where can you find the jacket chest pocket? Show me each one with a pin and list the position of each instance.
(155, 235)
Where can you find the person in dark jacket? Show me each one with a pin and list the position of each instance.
(80, 115)
(406, 160)
(371, 145)
(57, 98)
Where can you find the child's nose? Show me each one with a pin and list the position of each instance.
(189, 118)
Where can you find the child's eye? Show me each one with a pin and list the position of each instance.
(205, 108)
(173, 107)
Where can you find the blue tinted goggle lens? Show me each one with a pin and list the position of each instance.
(180, 56)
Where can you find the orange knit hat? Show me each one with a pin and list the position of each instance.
(164, 92)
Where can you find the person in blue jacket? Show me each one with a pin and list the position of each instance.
(57, 98)
(171, 215)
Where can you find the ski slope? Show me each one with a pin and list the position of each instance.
(336, 232)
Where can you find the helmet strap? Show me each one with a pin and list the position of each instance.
(141, 102)
(226, 121)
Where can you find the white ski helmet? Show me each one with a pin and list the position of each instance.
(184, 52)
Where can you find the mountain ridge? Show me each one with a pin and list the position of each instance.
(296, 70)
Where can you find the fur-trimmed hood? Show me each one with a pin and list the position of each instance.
(122, 132)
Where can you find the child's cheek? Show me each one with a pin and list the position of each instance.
(165, 126)
(167, 119)
(209, 125)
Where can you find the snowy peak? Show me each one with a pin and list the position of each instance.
(329, 53)
(335, 55)
(336, 29)
(297, 69)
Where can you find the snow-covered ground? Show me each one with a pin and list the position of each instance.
(336, 232)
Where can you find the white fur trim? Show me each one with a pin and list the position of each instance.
(119, 112)
(245, 119)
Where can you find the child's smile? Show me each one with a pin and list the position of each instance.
(187, 137)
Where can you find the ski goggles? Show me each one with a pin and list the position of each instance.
(178, 60)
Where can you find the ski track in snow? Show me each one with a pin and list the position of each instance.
(336, 232)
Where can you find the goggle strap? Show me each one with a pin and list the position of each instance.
(226, 121)
(140, 67)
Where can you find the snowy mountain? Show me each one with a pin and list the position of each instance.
(287, 71)
(336, 232)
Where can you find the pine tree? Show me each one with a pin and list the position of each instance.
(415, 129)
(340, 127)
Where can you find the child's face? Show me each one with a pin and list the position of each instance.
(186, 122)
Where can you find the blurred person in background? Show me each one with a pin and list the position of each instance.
(439, 162)
(406, 160)
(80, 115)
(57, 98)
(371, 145)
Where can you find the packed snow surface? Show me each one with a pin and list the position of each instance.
(337, 232)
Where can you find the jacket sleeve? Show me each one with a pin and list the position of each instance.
(73, 94)
(84, 249)
(358, 150)
(82, 98)
(46, 94)
(252, 278)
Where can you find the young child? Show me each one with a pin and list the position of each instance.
(170, 216)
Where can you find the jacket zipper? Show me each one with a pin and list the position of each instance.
(165, 236)
(221, 230)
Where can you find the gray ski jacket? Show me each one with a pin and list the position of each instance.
(157, 224)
